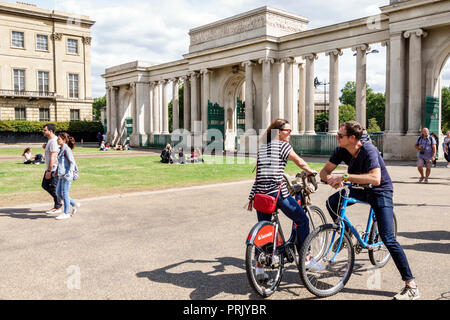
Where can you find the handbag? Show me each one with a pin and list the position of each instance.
(265, 203)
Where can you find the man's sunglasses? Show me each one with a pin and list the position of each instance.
(341, 136)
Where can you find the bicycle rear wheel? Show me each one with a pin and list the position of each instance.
(380, 255)
(327, 277)
(267, 283)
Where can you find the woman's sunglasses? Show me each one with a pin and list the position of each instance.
(286, 130)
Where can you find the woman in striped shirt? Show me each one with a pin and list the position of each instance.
(273, 155)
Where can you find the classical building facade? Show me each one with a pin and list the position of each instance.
(264, 59)
(45, 64)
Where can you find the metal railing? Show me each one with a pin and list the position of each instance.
(26, 94)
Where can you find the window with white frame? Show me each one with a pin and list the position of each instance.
(72, 46)
(20, 113)
(75, 115)
(19, 80)
(43, 83)
(42, 42)
(18, 39)
(73, 85)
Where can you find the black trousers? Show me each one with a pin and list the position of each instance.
(49, 185)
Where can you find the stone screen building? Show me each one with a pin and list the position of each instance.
(265, 59)
(45, 64)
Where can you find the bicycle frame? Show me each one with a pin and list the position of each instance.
(344, 221)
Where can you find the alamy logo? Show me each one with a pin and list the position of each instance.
(74, 279)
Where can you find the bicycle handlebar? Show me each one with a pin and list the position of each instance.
(358, 186)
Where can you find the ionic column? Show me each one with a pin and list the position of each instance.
(165, 107)
(134, 112)
(175, 105)
(156, 108)
(333, 124)
(288, 89)
(415, 80)
(205, 98)
(266, 91)
(309, 94)
(114, 115)
(108, 111)
(248, 94)
(302, 97)
(186, 103)
(361, 63)
(278, 90)
(194, 101)
(397, 84)
(149, 111)
(388, 84)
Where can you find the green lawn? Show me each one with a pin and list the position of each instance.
(35, 150)
(21, 183)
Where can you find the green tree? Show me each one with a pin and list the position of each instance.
(373, 126)
(98, 104)
(375, 102)
(445, 109)
(346, 113)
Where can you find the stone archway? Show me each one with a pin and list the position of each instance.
(232, 90)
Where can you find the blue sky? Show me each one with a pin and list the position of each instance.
(157, 31)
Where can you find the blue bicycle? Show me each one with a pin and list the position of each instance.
(337, 256)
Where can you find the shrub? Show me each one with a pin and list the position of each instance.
(36, 126)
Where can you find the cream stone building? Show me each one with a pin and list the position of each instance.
(265, 59)
(45, 64)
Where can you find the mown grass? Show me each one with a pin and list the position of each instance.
(78, 150)
(21, 184)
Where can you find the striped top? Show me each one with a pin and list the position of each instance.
(272, 159)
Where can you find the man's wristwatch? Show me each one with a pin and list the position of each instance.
(345, 177)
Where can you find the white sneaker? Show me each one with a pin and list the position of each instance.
(54, 211)
(314, 265)
(75, 208)
(63, 216)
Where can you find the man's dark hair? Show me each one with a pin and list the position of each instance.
(50, 127)
(353, 128)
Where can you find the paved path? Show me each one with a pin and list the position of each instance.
(189, 244)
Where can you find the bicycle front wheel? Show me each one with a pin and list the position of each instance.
(380, 255)
(266, 282)
(332, 267)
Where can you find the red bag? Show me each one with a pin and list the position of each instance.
(265, 203)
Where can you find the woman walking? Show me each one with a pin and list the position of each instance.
(65, 173)
(273, 155)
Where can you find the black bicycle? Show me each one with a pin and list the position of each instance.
(267, 249)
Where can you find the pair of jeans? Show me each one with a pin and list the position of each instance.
(50, 185)
(293, 211)
(383, 206)
(62, 190)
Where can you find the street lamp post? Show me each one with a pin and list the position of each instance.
(324, 83)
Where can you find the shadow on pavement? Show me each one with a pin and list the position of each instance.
(24, 213)
(207, 285)
(437, 235)
(420, 205)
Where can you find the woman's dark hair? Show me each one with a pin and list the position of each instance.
(70, 141)
(353, 128)
(278, 124)
(26, 150)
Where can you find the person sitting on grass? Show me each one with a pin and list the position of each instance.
(28, 159)
(119, 147)
(102, 146)
(165, 154)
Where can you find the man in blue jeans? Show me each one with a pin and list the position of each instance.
(366, 166)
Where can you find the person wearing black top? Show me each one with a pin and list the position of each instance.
(366, 166)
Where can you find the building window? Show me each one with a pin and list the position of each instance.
(43, 82)
(20, 114)
(75, 115)
(18, 39)
(42, 42)
(73, 85)
(19, 80)
(72, 46)
(44, 114)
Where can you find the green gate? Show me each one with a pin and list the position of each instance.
(431, 119)
(216, 126)
(240, 121)
(129, 127)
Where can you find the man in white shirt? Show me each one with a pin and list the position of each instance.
(50, 181)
